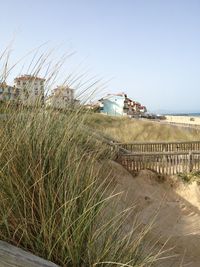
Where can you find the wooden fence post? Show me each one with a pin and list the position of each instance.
(190, 163)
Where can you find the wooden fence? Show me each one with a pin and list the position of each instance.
(163, 157)
(164, 163)
(161, 146)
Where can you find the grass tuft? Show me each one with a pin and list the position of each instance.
(56, 192)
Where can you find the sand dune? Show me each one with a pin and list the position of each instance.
(178, 216)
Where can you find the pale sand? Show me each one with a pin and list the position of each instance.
(178, 216)
(184, 119)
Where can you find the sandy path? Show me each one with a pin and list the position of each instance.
(178, 216)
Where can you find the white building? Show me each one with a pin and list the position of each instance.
(31, 89)
(61, 97)
(8, 93)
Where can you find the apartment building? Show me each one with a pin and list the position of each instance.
(61, 97)
(8, 93)
(31, 89)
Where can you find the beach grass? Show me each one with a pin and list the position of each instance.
(124, 129)
(57, 199)
(55, 190)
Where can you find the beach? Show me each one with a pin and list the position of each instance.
(183, 119)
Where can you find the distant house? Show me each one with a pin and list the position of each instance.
(8, 93)
(120, 105)
(31, 89)
(61, 97)
(113, 104)
(133, 107)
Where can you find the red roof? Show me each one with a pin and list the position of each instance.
(29, 77)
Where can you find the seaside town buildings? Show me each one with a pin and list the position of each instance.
(133, 107)
(113, 104)
(8, 93)
(120, 105)
(61, 97)
(31, 89)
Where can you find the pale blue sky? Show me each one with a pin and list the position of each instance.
(150, 48)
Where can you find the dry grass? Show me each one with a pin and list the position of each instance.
(130, 130)
(54, 195)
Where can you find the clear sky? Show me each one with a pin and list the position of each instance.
(150, 49)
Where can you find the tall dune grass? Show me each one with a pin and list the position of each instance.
(56, 193)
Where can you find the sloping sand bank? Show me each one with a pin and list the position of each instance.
(178, 216)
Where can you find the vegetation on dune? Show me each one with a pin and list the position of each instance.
(190, 177)
(56, 195)
(130, 130)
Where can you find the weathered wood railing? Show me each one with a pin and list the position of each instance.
(164, 163)
(163, 157)
(11, 256)
(161, 146)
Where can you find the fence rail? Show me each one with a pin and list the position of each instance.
(161, 146)
(11, 256)
(163, 157)
(164, 163)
